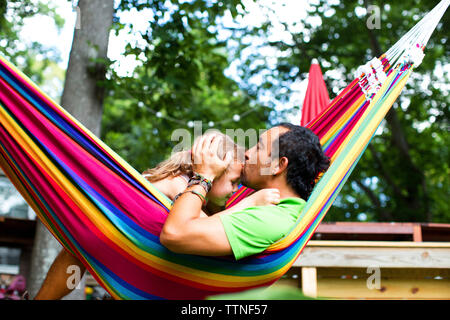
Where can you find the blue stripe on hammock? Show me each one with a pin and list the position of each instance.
(129, 290)
(126, 290)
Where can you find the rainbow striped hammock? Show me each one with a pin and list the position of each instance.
(105, 213)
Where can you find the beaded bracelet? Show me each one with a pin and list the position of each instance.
(198, 176)
(199, 179)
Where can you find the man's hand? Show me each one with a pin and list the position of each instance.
(205, 156)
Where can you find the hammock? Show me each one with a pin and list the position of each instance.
(110, 217)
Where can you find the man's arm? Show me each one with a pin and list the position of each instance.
(55, 284)
(185, 232)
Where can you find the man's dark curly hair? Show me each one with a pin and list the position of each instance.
(306, 159)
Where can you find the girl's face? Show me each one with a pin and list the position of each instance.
(225, 185)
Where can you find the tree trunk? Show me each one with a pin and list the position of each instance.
(83, 99)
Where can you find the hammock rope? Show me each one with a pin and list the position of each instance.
(110, 217)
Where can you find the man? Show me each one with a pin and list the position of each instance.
(287, 157)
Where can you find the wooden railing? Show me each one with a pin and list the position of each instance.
(373, 270)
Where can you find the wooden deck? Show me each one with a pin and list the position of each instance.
(372, 270)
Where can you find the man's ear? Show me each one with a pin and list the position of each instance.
(281, 167)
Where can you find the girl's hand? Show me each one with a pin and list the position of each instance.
(206, 161)
(264, 197)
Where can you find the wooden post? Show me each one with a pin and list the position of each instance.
(417, 233)
(309, 281)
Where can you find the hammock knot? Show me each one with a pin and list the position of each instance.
(413, 55)
(371, 76)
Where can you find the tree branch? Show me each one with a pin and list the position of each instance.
(385, 215)
(384, 172)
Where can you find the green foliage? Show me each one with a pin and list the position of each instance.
(32, 58)
(180, 80)
(403, 175)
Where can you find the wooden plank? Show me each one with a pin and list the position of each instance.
(372, 256)
(364, 273)
(389, 289)
(436, 225)
(364, 228)
(383, 231)
(386, 244)
(309, 282)
(15, 242)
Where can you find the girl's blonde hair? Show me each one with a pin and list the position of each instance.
(181, 162)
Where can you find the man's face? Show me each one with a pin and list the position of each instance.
(259, 166)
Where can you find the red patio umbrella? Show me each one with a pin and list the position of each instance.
(316, 98)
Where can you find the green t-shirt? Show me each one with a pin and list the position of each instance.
(252, 230)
